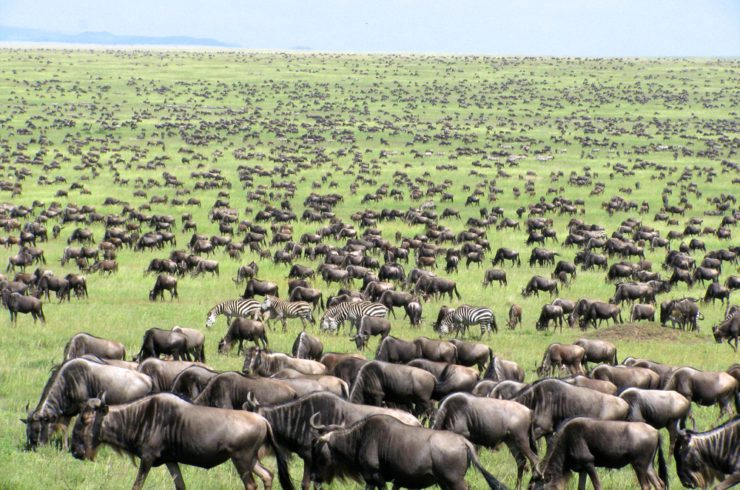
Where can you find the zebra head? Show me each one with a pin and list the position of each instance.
(210, 319)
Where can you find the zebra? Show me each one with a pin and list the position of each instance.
(242, 308)
(283, 310)
(352, 311)
(460, 318)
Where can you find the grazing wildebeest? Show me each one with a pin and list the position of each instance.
(728, 330)
(702, 274)
(195, 342)
(396, 385)
(301, 272)
(266, 364)
(553, 401)
(369, 327)
(685, 310)
(642, 312)
(70, 385)
(157, 342)
(705, 388)
(562, 356)
(515, 316)
(540, 283)
(503, 254)
(601, 311)
(717, 291)
(627, 376)
(165, 429)
(255, 287)
(291, 421)
(84, 343)
(583, 444)
(541, 256)
(550, 313)
(491, 275)
(17, 303)
(307, 346)
(659, 408)
(436, 287)
(379, 449)
(164, 282)
(472, 354)
(242, 329)
(598, 351)
(703, 457)
(488, 422)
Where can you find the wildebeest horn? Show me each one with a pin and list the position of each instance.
(313, 422)
(28, 404)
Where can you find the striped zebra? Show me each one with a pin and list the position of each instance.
(460, 318)
(352, 311)
(273, 306)
(241, 308)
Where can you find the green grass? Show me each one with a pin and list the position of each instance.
(583, 112)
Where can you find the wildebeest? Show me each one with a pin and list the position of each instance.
(515, 316)
(705, 388)
(255, 287)
(503, 254)
(686, 310)
(491, 275)
(17, 303)
(369, 327)
(390, 299)
(627, 376)
(242, 329)
(391, 349)
(450, 378)
(550, 313)
(232, 389)
(163, 373)
(291, 421)
(642, 312)
(70, 385)
(728, 330)
(488, 422)
(381, 449)
(164, 282)
(659, 408)
(165, 429)
(703, 457)
(583, 444)
(157, 341)
(266, 363)
(195, 342)
(503, 370)
(600, 311)
(398, 386)
(562, 356)
(435, 350)
(192, 380)
(472, 354)
(717, 291)
(84, 343)
(307, 346)
(598, 351)
(309, 295)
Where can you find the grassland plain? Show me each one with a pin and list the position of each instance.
(122, 109)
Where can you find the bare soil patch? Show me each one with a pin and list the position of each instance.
(642, 331)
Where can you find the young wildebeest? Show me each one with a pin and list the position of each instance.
(157, 342)
(728, 330)
(705, 456)
(307, 346)
(164, 282)
(515, 316)
(659, 408)
(84, 343)
(242, 329)
(369, 327)
(491, 275)
(293, 421)
(69, 385)
(17, 303)
(583, 444)
(379, 449)
(195, 342)
(562, 356)
(165, 429)
(488, 422)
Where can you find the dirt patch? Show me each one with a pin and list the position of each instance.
(642, 331)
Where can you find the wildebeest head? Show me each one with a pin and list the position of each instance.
(325, 465)
(37, 428)
(86, 433)
(360, 340)
(691, 470)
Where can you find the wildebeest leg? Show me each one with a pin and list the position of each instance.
(144, 467)
(582, 480)
(263, 474)
(306, 481)
(245, 462)
(521, 461)
(591, 469)
(174, 469)
(728, 482)
(724, 408)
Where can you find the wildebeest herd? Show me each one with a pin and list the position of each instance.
(309, 224)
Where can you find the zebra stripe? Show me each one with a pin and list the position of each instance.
(459, 319)
(241, 308)
(283, 310)
(352, 311)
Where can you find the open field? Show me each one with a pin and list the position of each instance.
(339, 121)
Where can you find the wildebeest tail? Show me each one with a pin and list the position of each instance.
(456, 292)
(493, 483)
(282, 460)
(321, 301)
(202, 351)
(662, 469)
(737, 402)
(615, 357)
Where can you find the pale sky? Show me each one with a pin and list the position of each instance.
(495, 27)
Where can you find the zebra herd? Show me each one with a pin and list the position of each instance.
(452, 320)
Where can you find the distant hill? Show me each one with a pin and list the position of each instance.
(17, 34)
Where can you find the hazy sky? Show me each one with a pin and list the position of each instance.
(502, 27)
